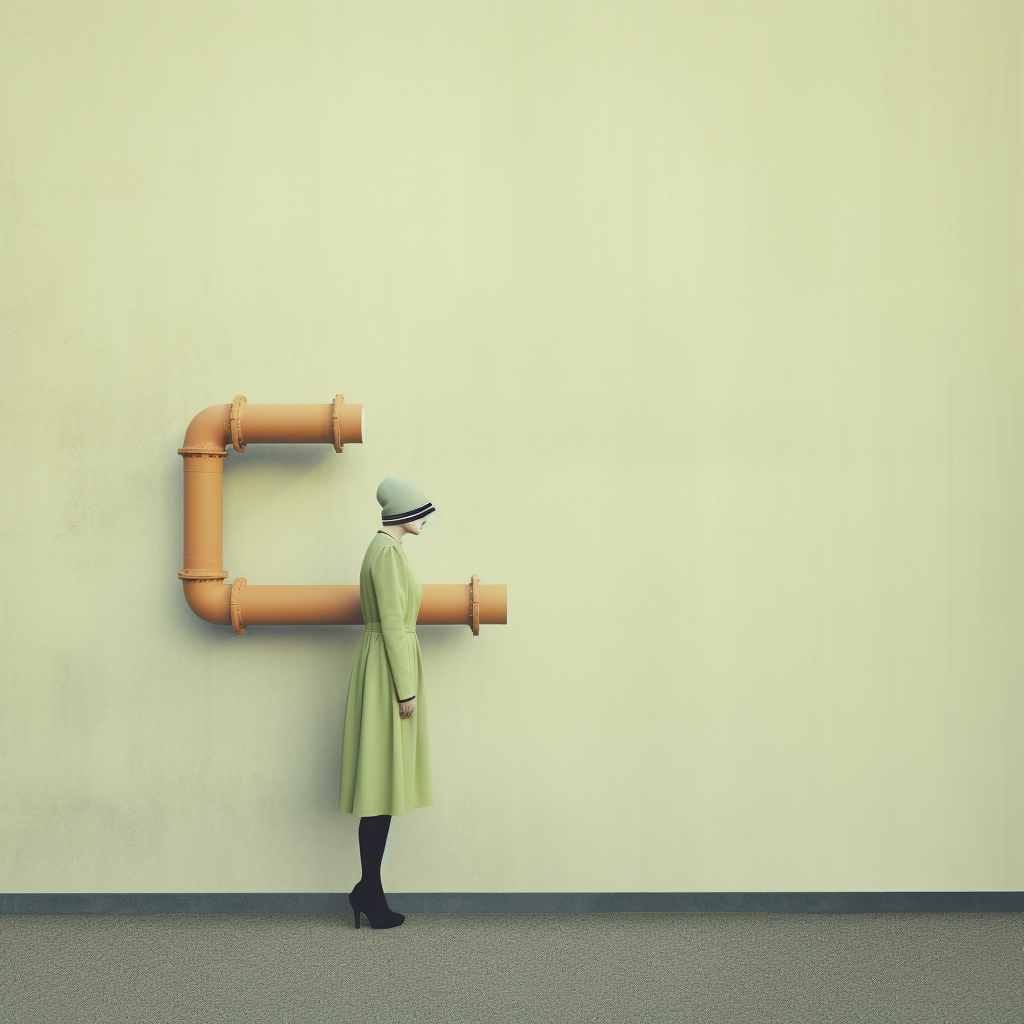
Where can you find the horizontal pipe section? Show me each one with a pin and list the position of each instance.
(300, 424)
(444, 603)
(287, 424)
(275, 424)
(440, 604)
(299, 606)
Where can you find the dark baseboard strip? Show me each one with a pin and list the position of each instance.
(516, 902)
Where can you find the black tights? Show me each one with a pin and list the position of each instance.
(373, 835)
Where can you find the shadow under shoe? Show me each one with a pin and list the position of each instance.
(375, 906)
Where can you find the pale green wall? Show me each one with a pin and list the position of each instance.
(700, 322)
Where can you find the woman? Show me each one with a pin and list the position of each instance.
(385, 761)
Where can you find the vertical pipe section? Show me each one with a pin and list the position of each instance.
(300, 424)
(203, 456)
(205, 448)
(204, 516)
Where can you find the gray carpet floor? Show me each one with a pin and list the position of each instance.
(692, 967)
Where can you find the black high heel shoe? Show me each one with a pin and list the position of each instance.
(375, 906)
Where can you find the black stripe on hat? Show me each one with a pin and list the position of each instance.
(408, 517)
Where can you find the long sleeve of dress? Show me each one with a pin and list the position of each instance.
(390, 587)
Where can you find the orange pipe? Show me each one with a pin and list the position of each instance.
(240, 605)
(441, 604)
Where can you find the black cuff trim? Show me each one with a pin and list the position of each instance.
(407, 699)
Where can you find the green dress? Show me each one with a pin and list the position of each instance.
(385, 760)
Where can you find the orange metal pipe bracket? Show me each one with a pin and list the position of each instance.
(239, 605)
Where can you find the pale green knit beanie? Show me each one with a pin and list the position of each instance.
(401, 502)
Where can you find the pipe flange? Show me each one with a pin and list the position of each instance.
(336, 422)
(201, 574)
(199, 451)
(236, 604)
(474, 603)
(236, 423)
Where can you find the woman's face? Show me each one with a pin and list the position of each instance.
(416, 525)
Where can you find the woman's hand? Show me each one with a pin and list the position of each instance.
(406, 708)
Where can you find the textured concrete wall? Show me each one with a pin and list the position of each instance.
(700, 323)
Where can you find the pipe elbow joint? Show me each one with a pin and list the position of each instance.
(210, 428)
(210, 600)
